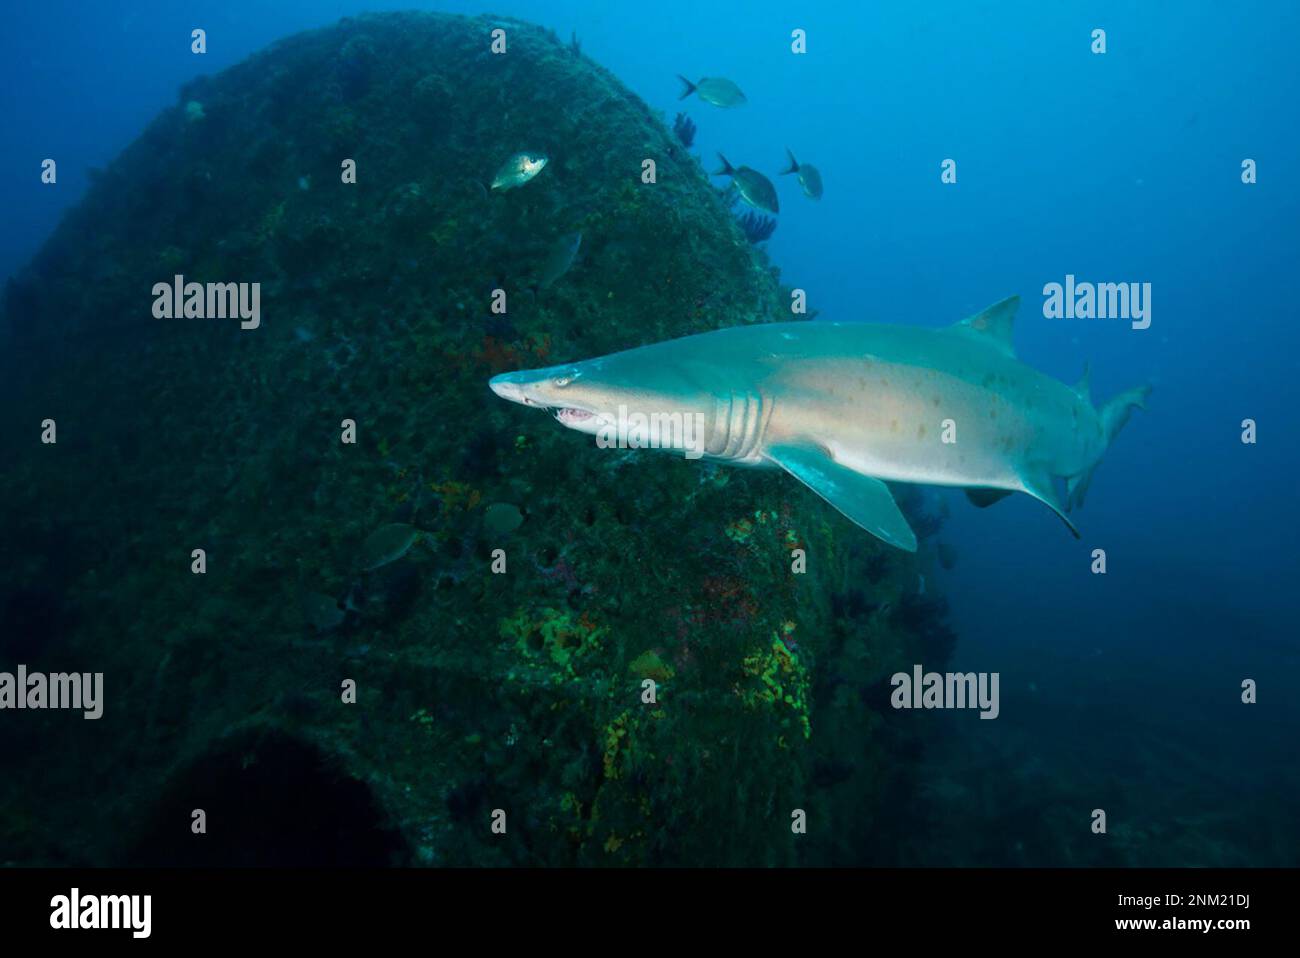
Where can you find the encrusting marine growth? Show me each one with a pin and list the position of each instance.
(372, 561)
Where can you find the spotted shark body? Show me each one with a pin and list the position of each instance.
(847, 407)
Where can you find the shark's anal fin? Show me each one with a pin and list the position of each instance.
(1039, 485)
(864, 500)
(1076, 487)
(986, 497)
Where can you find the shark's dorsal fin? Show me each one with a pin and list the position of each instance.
(863, 499)
(1084, 386)
(992, 325)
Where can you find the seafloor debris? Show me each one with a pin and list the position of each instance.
(757, 227)
(684, 127)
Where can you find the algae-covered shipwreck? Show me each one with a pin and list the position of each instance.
(347, 604)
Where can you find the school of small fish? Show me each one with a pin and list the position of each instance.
(751, 186)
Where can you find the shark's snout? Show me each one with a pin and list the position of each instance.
(507, 386)
(518, 387)
(548, 389)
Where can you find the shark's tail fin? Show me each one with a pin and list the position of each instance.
(1116, 412)
(1114, 415)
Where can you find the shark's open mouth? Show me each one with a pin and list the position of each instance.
(569, 416)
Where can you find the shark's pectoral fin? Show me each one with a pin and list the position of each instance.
(986, 497)
(864, 500)
(1039, 485)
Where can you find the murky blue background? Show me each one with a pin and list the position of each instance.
(1117, 167)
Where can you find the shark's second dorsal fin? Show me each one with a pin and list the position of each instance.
(993, 325)
(1084, 386)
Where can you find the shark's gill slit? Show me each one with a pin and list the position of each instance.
(729, 437)
(744, 424)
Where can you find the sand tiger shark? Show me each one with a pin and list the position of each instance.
(847, 407)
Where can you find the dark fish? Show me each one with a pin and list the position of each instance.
(713, 90)
(559, 259)
(755, 188)
(809, 178)
(321, 611)
(386, 544)
(502, 518)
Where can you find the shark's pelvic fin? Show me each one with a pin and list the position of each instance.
(993, 326)
(864, 500)
(1040, 486)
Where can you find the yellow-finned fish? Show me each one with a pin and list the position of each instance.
(519, 169)
(809, 179)
(754, 188)
(714, 90)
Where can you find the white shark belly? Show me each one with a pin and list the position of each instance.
(910, 424)
(919, 466)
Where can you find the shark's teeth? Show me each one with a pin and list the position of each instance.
(568, 415)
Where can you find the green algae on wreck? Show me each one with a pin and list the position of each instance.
(522, 690)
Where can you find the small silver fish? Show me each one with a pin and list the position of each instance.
(714, 90)
(755, 188)
(386, 544)
(559, 259)
(519, 169)
(809, 179)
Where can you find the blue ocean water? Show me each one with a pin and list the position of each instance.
(1124, 166)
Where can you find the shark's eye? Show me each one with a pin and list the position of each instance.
(563, 381)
